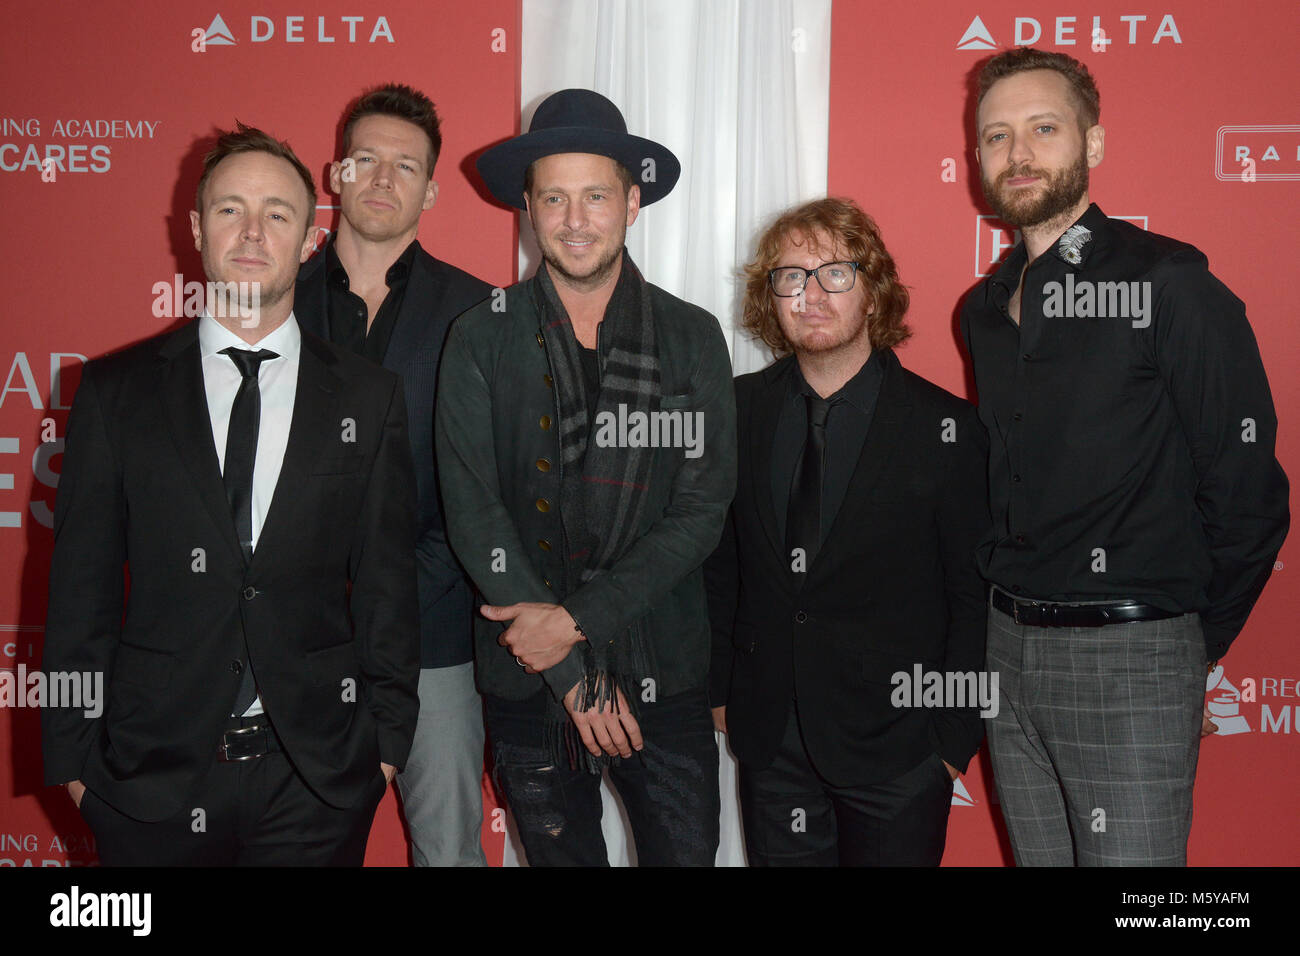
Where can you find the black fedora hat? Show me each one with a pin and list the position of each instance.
(578, 121)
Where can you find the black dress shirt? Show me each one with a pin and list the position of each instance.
(348, 313)
(846, 432)
(1132, 455)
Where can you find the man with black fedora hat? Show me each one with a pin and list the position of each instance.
(586, 447)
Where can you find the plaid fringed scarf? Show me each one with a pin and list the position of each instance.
(602, 489)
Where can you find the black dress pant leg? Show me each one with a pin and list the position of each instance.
(793, 817)
(786, 814)
(256, 812)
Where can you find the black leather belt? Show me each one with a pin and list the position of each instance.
(253, 737)
(1044, 614)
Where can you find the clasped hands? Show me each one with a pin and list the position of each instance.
(540, 636)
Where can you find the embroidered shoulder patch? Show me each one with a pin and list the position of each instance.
(1072, 242)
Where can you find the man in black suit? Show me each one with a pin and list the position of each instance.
(845, 578)
(262, 687)
(373, 290)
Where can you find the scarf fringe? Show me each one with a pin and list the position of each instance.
(597, 692)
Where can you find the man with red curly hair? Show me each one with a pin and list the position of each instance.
(846, 579)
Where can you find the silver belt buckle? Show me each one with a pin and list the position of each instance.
(225, 747)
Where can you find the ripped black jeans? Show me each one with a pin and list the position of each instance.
(669, 789)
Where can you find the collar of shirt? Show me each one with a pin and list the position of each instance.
(286, 341)
(1091, 231)
(859, 391)
(396, 275)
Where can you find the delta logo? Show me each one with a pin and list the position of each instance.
(1128, 30)
(295, 29)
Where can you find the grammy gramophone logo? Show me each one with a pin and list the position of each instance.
(1225, 704)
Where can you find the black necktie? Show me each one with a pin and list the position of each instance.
(237, 476)
(803, 522)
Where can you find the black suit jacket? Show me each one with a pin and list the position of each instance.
(327, 604)
(893, 585)
(435, 294)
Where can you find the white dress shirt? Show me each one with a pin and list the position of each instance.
(277, 381)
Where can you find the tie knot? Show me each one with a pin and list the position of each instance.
(818, 409)
(249, 362)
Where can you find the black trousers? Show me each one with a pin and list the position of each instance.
(256, 812)
(792, 817)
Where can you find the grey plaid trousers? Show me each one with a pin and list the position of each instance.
(1096, 738)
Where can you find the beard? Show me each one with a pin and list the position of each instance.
(1063, 190)
(851, 332)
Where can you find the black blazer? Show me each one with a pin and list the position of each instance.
(327, 604)
(893, 585)
(435, 294)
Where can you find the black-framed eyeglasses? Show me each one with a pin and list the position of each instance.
(788, 281)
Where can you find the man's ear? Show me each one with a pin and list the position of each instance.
(1095, 139)
(196, 227)
(430, 194)
(336, 178)
(633, 203)
(309, 243)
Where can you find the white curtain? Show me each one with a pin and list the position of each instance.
(739, 90)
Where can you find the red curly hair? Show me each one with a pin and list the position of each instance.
(849, 229)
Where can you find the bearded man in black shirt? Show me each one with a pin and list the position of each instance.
(1138, 505)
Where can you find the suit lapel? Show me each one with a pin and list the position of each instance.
(763, 417)
(315, 422)
(185, 404)
(884, 435)
(412, 327)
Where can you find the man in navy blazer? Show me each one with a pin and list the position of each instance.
(373, 290)
(845, 584)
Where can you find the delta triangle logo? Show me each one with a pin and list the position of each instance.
(960, 795)
(219, 34)
(976, 37)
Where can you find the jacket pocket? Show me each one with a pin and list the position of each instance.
(331, 665)
(339, 464)
(880, 668)
(142, 666)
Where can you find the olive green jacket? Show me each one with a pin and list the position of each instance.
(497, 430)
